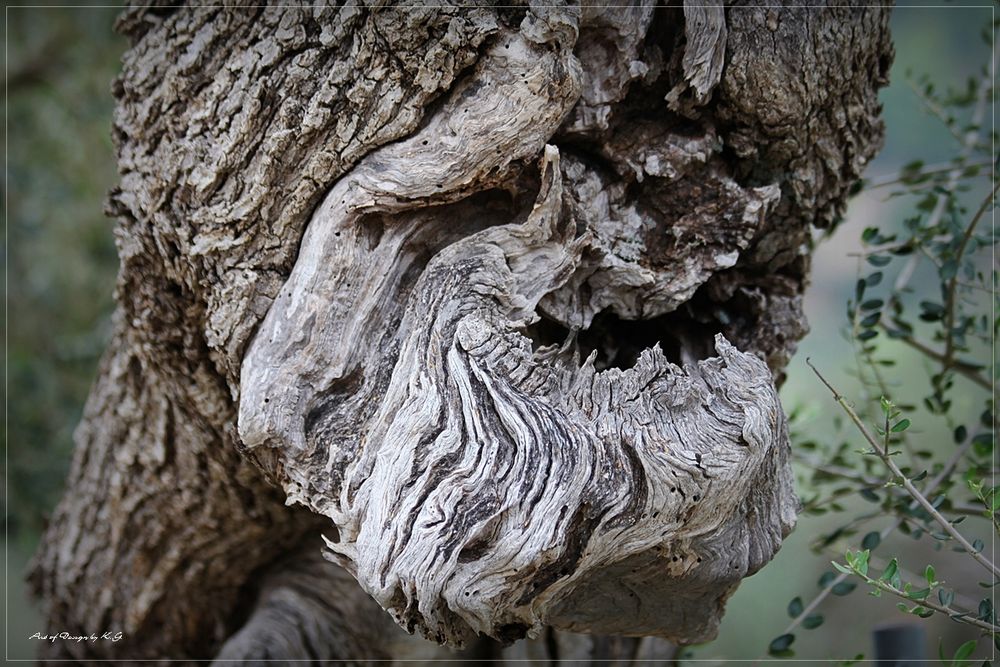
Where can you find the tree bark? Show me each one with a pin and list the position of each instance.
(495, 300)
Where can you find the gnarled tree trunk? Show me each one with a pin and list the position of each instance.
(493, 300)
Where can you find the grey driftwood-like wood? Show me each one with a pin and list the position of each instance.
(487, 306)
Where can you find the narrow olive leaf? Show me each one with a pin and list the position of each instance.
(870, 496)
(781, 643)
(825, 579)
(861, 562)
(795, 607)
(842, 568)
(871, 540)
(929, 575)
(812, 621)
(946, 596)
(859, 290)
(919, 595)
(844, 588)
(901, 426)
(871, 320)
(965, 650)
(889, 571)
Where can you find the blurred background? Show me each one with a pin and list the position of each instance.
(61, 265)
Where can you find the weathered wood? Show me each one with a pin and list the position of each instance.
(499, 296)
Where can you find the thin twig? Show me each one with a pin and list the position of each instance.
(900, 176)
(963, 600)
(958, 615)
(949, 341)
(935, 110)
(964, 368)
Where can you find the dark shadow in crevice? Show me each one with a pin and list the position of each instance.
(619, 342)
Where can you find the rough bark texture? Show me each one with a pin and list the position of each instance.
(499, 296)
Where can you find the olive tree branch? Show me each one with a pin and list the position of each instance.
(956, 614)
(966, 369)
(929, 488)
(887, 459)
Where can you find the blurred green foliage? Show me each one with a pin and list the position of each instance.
(61, 260)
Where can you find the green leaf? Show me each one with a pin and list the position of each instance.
(889, 571)
(885, 405)
(874, 279)
(795, 607)
(870, 495)
(812, 621)
(901, 426)
(861, 563)
(844, 588)
(965, 650)
(932, 307)
(825, 579)
(946, 597)
(919, 595)
(842, 568)
(871, 540)
(983, 444)
(878, 260)
(985, 610)
(871, 320)
(781, 643)
(929, 575)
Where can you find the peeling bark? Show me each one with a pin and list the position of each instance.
(499, 298)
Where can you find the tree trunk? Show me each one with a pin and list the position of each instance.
(495, 300)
